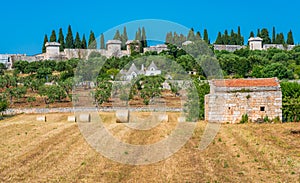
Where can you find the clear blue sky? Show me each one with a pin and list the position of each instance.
(24, 23)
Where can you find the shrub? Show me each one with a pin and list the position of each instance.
(244, 119)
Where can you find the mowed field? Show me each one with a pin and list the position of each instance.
(55, 151)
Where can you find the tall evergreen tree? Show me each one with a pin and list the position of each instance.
(169, 38)
(83, 42)
(205, 36)
(240, 38)
(251, 34)
(45, 41)
(124, 37)
(232, 38)
(69, 38)
(144, 38)
(258, 33)
(77, 42)
(61, 40)
(273, 35)
(53, 36)
(290, 38)
(117, 35)
(219, 39)
(92, 44)
(198, 36)
(225, 38)
(191, 35)
(138, 34)
(264, 34)
(280, 39)
(102, 43)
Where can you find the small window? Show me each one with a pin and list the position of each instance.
(229, 108)
(262, 108)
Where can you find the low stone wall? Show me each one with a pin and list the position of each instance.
(85, 109)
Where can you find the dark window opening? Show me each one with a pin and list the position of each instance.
(228, 107)
(262, 108)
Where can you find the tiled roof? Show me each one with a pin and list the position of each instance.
(263, 82)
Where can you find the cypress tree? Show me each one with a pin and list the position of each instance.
(45, 41)
(144, 38)
(138, 35)
(61, 40)
(92, 44)
(219, 39)
(232, 38)
(279, 39)
(290, 39)
(183, 38)
(258, 33)
(69, 38)
(102, 44)
(273, 35)
(191, 35)
(77, 43)
(225, 38)
(83, 42)
(251, 34)
(53, 36)
(240, 38)
(124, 37)
(169, 38)
(265, 36)
(198, 36)
(117, 36)
(205, 36)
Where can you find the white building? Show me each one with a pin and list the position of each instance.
(255, 43)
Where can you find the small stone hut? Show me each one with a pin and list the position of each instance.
(229, 99)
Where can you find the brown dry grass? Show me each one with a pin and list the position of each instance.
(55, 151)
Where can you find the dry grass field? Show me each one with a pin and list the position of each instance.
(55, 151)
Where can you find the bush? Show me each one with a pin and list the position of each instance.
(244, 119)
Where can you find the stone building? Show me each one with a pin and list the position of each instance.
(230, 48)
(255, 43)
(133, 72)
(228, 100)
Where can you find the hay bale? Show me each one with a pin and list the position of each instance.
(71, 118)
(84, 118)
(181, 119)
(163, 117)
(122, 116)
(41, 118)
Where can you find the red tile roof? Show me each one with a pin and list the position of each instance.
(246, 82)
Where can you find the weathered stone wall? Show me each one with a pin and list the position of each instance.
(229, 107)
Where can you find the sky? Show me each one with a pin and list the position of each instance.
(24, 23)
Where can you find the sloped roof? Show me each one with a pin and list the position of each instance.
(255, 39)
(261, 82)
(132, 69)
(152, 65)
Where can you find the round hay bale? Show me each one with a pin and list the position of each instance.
(181, 119)
(71, 118)
(122, 116)
(41, 118)
(84, 118)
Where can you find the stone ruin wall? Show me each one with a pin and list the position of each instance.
(229, 107)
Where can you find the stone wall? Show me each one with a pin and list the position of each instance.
(229, 107)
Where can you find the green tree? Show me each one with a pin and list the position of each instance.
(290, 101)
(53, 36)
(102, 42)
(44, 43)
(61, 40)
(138, 34)
(92, 44)
(169, 38)
(191, 35)
(117, 36)
(52, 93)
(258, 33)
(225, 38)
(69, 38)
(290, 39)
(205, 36)
(83, 42)
(197, 37)
(280, 39)
(273, 35)
(219, 39)
(3, 103)
(124, 37)
(144, 38)
(44, 72)
(240, 38)
(77, 42)
(265, 36)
